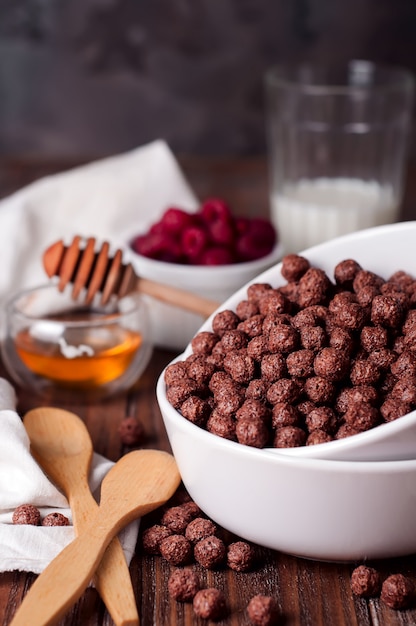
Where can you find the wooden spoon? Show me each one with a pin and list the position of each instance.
(61, 444)
(97, 272)
(138, 483)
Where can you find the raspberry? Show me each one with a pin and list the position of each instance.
(242, 225)
(158, 246)
(193, 241)
(214, 210)
(158, 228)
(216, 256)
(222, 233)
(249, 249)
(257, 241)
(176, 220)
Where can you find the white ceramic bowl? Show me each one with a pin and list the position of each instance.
(174, 328)
(321, 509)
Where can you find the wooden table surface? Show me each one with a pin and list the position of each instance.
(309, 593)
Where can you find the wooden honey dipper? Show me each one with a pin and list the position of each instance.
(98, 272)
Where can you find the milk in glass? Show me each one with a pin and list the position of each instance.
(314, 210)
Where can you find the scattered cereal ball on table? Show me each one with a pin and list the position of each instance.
(210, 552)
(131, 431)
(55, 519)
(183, 584)
(26, 514)
(200, 528)
(365, 581)
(209, 604)
(240, 556)
(263, 610)
(177, 518)
(152, 537)
(397, 591)
(176, 549)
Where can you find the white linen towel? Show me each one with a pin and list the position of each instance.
(31, 548)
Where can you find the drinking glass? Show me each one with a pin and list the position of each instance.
(337, 141)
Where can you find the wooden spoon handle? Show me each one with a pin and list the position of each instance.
(112, 578)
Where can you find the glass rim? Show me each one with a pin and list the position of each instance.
(284, 75)
(137, 304)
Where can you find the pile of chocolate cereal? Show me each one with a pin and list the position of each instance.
(311, 361)
(192, 543)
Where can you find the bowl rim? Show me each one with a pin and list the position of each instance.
(137, 306)
(265, 455)
(309, 463)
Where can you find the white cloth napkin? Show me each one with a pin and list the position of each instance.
(31, 548)
(113, 199)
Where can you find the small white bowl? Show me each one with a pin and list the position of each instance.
(172, 327)
(320, 509)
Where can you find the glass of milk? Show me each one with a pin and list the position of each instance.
(337, 141)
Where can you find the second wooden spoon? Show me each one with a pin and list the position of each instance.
(61, 444)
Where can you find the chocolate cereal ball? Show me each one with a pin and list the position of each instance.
(263, 610)
(196, 410)
(294, 267)
(289, 437)
(176, 518)
(345, 272)
(178, 392)
(200, 528)
(204, 342)
(174, 372)
(319, 389)
(397, 591)
(318, 436)
(55, 519)
(285, 414)
(199, 369)
(131, 431)
(176, 549)
(386, 311)
(313, 338)
(26, 514)
(240, 556)
(209, 604)
(362, 416)
(223, 321)
(365, 581)
(183, 584)
(252, 432)
(392, 409)
(254, 409)
(300, 363)
(210, 552)
(240, 366)
(152, 537)
(322, 418)
(222, 425)
(331, 364)
(313, 287)
(341, 339)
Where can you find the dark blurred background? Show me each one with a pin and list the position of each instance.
(81, 78)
